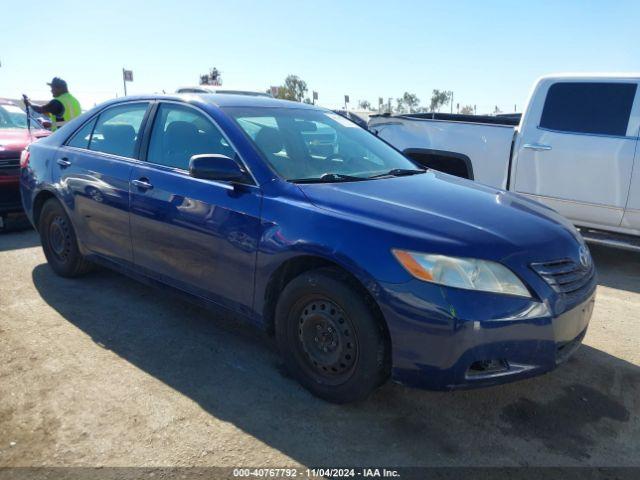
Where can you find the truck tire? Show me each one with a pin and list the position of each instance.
(329, 338)
(59, 241)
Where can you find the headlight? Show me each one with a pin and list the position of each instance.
(468, 273)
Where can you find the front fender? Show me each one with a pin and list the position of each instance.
(292, 227)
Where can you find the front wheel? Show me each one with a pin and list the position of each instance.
(329, 337)
(59, 241)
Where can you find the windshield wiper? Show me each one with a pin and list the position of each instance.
(399, 172)
(329, 178)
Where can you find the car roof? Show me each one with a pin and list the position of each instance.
(222, 100)
(221, 89)
(233, 100)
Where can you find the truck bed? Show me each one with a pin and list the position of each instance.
(472, 146)
(508, 119)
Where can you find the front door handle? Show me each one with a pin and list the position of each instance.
(538, 147)
(142, 183)
(64, 162)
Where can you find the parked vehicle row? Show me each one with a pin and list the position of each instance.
(14, 137)
(364, 265)
(575, 150)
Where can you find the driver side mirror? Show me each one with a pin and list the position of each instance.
(210, 166)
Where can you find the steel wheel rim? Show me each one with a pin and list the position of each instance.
(59, 241)
(327, 339)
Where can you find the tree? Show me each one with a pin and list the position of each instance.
(364, 105)
(294, 88)
(467, 110)
(211, 78)
(438, 99)
(411, 102)
(408, 103)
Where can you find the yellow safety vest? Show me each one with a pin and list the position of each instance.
(71, 111)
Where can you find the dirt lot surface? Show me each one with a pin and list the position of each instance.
(105, 371)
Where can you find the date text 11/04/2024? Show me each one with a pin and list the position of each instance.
(315, 473)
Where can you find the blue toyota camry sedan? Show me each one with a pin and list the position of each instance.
(364, 265)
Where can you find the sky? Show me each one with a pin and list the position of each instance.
(488, 52)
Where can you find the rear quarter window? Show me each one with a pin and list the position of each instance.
(81, 138)
(594, 108)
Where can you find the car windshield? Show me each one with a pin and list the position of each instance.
(12, 116)
(305, 145)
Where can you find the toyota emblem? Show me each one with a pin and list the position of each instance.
(585, 258)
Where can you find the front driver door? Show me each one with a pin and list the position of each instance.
(198, 235)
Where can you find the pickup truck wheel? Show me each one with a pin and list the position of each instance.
(329, 338)
(59, 241)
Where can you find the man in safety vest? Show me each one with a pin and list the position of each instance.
(62, 108)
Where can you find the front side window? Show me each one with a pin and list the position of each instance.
(118, 129)
(180, 132)
(306, 144)
(595, 108)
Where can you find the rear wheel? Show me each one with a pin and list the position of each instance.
(59, 241)
(329, 338)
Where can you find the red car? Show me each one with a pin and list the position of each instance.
(14, 137)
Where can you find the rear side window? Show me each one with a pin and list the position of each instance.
(118, 129)
(596, 108)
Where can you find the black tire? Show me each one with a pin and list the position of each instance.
(329, 338)
(59, 241)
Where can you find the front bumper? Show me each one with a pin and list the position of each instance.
(490, 340)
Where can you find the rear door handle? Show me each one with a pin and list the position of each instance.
(63, 162)
(142, 183)
(536, 146)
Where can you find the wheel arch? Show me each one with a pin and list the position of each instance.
(295, 266)
(38, 202)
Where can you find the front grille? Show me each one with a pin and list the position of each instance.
(569, 279)
(9, 163)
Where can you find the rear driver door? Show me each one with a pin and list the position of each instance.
(94, 169)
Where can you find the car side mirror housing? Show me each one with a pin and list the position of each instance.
(210, 166)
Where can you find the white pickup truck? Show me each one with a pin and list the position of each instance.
(575, 149)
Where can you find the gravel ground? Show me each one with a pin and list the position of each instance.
(105, 371)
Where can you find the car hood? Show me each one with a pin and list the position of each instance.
(447, 214)
(16, 139)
